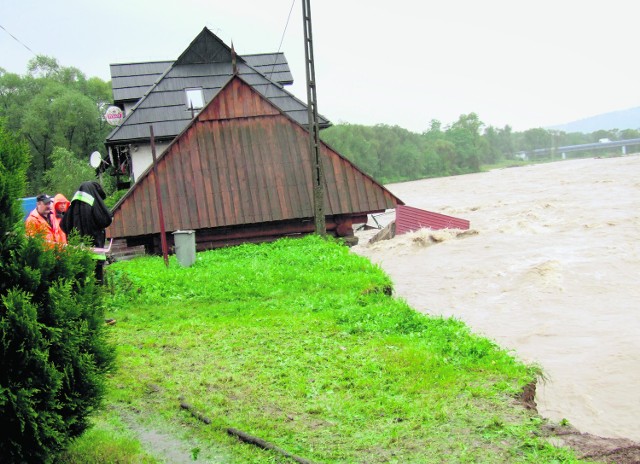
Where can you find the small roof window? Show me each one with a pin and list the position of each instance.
(195, 98)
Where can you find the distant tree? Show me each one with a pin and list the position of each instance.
(446, 152)
(499, 144)
(54, 106)
(15, 94)
(536, 138)
(99, 92)
(629, 134)
(70, 76)
(435, 127)
(394, 154)
(67, 173)
(60, 117)
(43, 67)
(11, 88)
(468, 143)
(604, 134)
(39, 127)
(572, 138)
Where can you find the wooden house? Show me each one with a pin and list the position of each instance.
(241, 171)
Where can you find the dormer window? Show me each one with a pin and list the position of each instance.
(195, 98)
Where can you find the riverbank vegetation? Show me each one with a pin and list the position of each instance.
(299, 343)
(392, 154)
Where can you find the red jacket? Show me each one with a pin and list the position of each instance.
(58, 200)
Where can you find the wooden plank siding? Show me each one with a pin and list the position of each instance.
(242, 161)
(210, 202)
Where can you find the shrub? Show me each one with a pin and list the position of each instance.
(53, 349)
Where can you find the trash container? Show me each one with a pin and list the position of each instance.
(185, 241)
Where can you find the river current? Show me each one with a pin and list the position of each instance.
(550, 270)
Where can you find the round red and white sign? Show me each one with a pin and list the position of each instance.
(114, 116)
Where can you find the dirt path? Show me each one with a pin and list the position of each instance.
(552, 273)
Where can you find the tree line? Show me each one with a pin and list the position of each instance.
(59, 113)
(393, 154)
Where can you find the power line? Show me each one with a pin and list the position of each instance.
(282, 40)
(17, 40)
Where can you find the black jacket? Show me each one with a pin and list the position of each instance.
(87, 213)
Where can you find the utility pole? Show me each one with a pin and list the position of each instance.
(312, 116)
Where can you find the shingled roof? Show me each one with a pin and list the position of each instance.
(208, 64)
(130, 81)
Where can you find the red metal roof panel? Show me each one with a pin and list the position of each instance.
(410, 219)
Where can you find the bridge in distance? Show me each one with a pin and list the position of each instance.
(562, 151)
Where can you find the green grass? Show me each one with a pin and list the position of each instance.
(297, 342)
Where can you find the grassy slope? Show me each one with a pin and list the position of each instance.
(297, 343)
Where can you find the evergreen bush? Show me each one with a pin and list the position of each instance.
(54, 354)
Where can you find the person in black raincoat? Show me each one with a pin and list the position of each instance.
(88, 214)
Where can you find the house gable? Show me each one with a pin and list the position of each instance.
(237, 100)
(206, 48)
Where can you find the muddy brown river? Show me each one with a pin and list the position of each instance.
(550, 270)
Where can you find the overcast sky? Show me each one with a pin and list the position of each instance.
(526, 63)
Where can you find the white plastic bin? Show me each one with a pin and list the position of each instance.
(185, 242)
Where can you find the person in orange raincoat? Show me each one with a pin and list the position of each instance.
(41, 221)
(60, 207)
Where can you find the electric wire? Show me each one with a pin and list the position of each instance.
(281, 41)
(18, 40)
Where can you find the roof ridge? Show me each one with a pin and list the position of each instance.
(170, 62)
(141, 62)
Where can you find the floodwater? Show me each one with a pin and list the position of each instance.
(550, 270)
